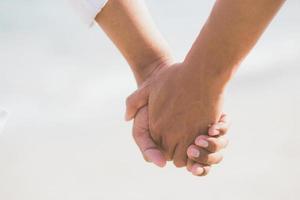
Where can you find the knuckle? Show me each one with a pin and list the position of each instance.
(217, 144)
(214, 146)
(138, 132)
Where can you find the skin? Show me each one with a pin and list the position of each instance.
(177, 116)
(147, 53)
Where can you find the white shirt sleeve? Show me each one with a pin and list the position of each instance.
(88, 9)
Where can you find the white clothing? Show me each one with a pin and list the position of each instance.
(88, 9)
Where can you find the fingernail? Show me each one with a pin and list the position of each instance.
(159, 163)
(202, 143)
(197, 171)
(218, 126)
(213, 132)
(194, 153)
(155, 157)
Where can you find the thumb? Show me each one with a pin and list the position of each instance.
(135, 101)
(141, 134)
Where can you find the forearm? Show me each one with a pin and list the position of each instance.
(230, 32)
(129, 26)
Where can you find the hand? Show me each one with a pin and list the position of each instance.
(208, 146)
(139, 98)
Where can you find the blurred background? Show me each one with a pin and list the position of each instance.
(64, 85)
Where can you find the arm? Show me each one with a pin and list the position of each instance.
(230, 32)
(129, 26)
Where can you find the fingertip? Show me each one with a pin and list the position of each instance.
(197, 170)
(213, 131)
(128, 115)
(161, 164)
(200, 170)
(193, 152)
(224, 118)
(189, 164)
(156, 157)
(127, 118)
(201, 142)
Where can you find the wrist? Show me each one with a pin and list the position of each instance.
(209, 74)
(147, 70)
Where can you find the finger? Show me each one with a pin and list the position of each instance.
(202, 156)
(141, 135)
(200, 170)
(211, 144)
(149, 149)
(168, 147)
(189, 165)
(224, 118)
(221, 127)
(180, 157)
(197, 169)
(135, 101)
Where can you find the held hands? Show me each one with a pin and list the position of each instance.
(174, 104)
(172, 112)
